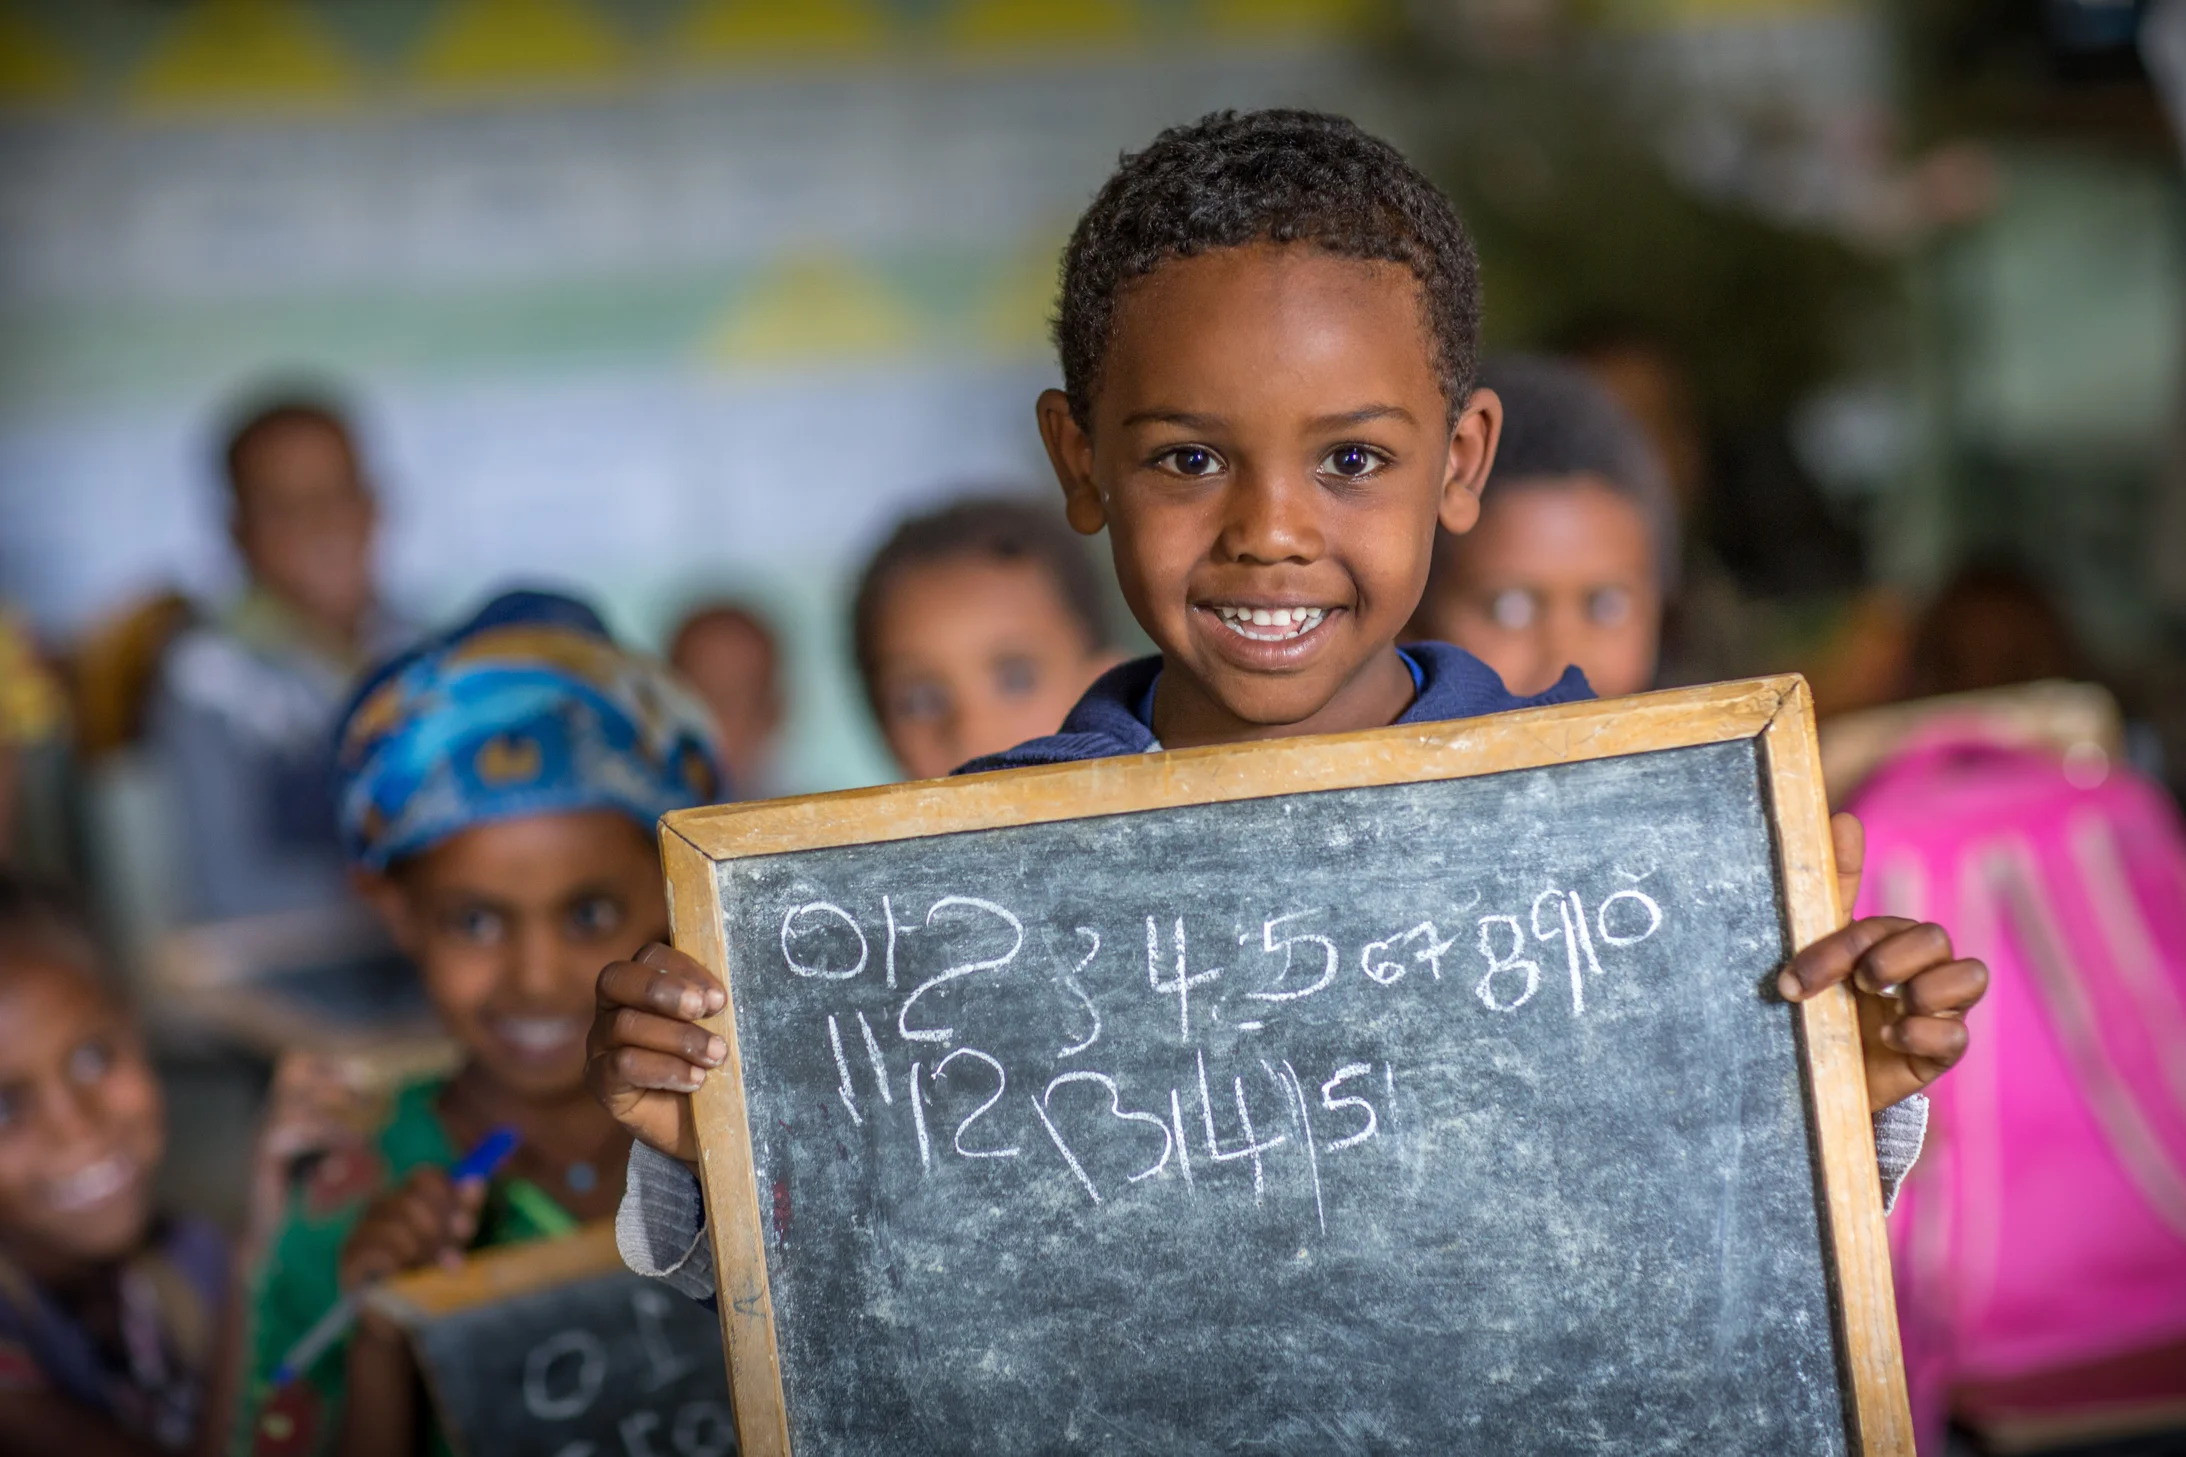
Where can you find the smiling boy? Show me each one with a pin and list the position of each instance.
(1268, 334)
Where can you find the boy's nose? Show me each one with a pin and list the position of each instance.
(1270, 516)
(73, 1113)
(536, 967)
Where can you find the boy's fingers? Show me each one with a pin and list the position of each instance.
(1901, 956)
(1951, 987)
(1848, 838)
(470, 1198)
(425, 1224)
(632, 1028)
(1937, 1040)
(631, 1068)
(1831, 959)
(683, 991)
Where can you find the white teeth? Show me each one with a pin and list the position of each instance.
(1286, 622)
(538, 1034)
(91, 1185)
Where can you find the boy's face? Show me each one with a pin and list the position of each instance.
(304, 521)
(81, 1123)
(510, 924)
(973, 656)
(731, 664)
(1557, 572)
(1270, 450)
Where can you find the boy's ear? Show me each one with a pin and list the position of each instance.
(1472, 455)
(1070, 452)
(389, 902)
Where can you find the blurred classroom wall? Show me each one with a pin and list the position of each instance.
(655, 299)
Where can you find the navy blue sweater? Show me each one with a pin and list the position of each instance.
(1452, 684)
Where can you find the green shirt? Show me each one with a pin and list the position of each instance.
(295, 1283)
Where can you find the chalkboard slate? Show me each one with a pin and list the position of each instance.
(563, 1353)
(1444, 1114)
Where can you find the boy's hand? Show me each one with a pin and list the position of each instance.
(312, 1108)
(645, 1056)
(426, 1219)
(1910, 1037)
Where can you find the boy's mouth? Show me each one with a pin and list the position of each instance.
(1269, 624)
(537, 1037)
(91, 1185)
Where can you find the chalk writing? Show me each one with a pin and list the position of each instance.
(1113, 1128)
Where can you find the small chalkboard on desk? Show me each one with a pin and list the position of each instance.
(1417, 1090)
(554, 1349)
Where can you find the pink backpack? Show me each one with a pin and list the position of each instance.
(2045, 1224)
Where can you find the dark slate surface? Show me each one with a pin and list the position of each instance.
(596, 1368)
(1504, 1151)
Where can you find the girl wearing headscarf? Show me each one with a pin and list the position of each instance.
(497, 789)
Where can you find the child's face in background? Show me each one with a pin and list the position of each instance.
(731, 664)
(974, 655)
(304, 521)
(1270, 449)
(81, 1122)
(510, 924)
(1556, 573)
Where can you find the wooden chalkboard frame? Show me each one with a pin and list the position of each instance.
(1776, 711)
(498, 1274)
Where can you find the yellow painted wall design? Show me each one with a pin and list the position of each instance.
(1020, 301)
(1040, 24)
(32, 68)
(276, 57)
(496, 46)
(813, 310)
(745, 30)
(222, 52)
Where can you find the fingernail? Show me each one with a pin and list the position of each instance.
(716, 1051)
(716, 999)
(690, 1083)
(1891, 1035)
(1787, 987)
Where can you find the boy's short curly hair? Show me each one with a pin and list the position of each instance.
(1283, 176)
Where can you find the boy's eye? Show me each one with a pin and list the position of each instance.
(14, 1106)
(1512, 609)
(1352, 462)
(1016, 677)
(1608, 606)
(920, 703)
(90, 1061)
(1190, 461)
(595, 915)
(480, 925)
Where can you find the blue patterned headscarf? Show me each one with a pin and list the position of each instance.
(528, 708)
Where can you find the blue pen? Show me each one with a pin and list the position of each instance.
(480, 1163)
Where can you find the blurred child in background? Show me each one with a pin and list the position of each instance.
(498, 788)
(727, 653)
(245, 703)
(112, 1315)
(1576, 545)
(976, 627)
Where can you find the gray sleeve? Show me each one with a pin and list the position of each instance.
(1899, 1132)
(661, 1225)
